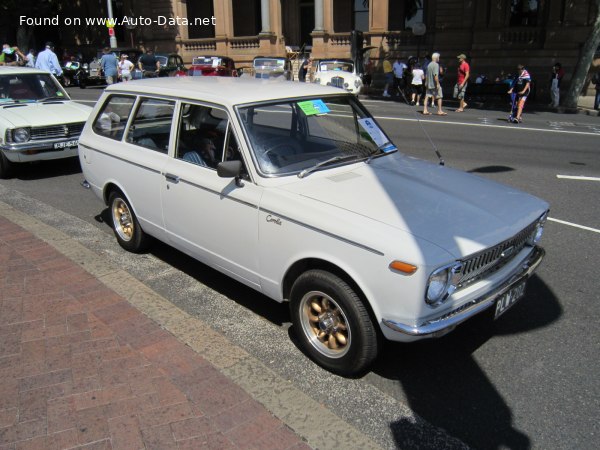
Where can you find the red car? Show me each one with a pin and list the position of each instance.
(220, 66)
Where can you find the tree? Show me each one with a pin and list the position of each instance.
(584, 62)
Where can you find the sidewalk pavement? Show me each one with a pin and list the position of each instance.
(83, 368)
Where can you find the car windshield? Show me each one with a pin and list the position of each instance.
(302, 135)
(336, 65)
(29, 87)
(269, 62)
(207, 61)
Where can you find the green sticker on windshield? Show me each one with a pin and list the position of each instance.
(60, 94)
(313, 107)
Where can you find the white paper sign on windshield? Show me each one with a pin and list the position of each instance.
(374, 131)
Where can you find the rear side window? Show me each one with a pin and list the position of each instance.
(113, 117)
(151, 125)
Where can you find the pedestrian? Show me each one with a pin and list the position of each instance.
(48, 61)
(388, 73)
(416, 85)
(460, 88)
(125, 67)
(557, 75)
(433, 86)
(30, 58)
(149, 65)
(110, 66)
(11, 56)
(304, 68)
(398, 68)
(596, 81)
(520, 89)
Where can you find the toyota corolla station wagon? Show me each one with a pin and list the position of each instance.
(38, 120)
(300, 194)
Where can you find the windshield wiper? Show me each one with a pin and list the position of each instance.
(54, 97)
(326, 162)
(379, 152)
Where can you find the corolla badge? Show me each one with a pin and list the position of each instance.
(272, 219)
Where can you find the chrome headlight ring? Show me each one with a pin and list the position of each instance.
(21, 135)
(538, 231)
(442, 283)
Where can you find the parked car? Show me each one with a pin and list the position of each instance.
(272, 67)
(340, 73)
(220, 66)
(91, 73)
(38, 120)
(171, 65)
(301, 195)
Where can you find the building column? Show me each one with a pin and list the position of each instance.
(265, 17)
(318, 15)
(223, 28)
(318, 34)
(378, 23)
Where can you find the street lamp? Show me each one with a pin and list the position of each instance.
(111, 30)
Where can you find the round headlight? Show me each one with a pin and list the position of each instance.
(21, 135)
(437, 286)
(356, 83)
(536, 235)
(346, 85)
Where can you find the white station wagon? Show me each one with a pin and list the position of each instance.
(38, 120)
(299, 194)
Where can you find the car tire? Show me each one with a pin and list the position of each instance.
(126, 227)
(6, 167)
(332, 324)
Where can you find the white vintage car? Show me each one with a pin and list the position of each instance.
(340, 73)
(38, 120)
(301, 195)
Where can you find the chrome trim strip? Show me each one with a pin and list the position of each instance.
(448, 321)
(126, 160)
(220, 194)
(326, 233)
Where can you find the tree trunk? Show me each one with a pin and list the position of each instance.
(584, 63)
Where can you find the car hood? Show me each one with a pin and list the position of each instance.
(44, 114)
(459, 212)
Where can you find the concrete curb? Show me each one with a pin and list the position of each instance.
(312, 421)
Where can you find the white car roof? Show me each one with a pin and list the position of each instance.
(228, 91)
(8, 70)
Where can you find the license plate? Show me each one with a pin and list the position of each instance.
(508, 299)
(67, 144)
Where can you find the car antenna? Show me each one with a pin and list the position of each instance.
(435, 149)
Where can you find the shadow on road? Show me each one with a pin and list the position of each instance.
(39, 170)
(445, 385)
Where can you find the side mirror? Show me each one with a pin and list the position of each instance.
(230, 169)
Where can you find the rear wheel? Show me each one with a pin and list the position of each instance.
(332, 323)
(6, 167)
(127, 230)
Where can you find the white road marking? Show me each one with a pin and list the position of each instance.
(574, 225)
(466, 124)
(575, 177)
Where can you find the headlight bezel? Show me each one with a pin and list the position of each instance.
(536, 235)
(450, 274)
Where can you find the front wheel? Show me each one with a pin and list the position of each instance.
(126, 227)
(332, 323)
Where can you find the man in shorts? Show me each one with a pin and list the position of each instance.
(521, 87)
(433, 86)
(461, 81)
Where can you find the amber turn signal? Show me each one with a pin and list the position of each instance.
(403, 267)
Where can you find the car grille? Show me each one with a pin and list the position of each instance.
(57, 131)
(494, 258)
(337, 82)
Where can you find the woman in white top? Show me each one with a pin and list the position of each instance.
(125, 67)
(417, 84)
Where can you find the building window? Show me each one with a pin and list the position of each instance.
(350, 15)
(246, 17)
(524, 13)
(200, 10)
(402, 15)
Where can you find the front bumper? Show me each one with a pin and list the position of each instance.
(444, 324)
(38, 150)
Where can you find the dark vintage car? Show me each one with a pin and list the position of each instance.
(90, 74)
(171, 65)
(219, 66)
(272, 67)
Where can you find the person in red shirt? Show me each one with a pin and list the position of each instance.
(461, 81)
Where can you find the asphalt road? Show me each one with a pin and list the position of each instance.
(529, 380)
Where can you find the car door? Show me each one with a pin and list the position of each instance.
(211, 218)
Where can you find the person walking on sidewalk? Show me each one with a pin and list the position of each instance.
(416, 85)
(557, 75)
(596, 81)
(398, 68)
(520, 88)
(388, 73)
(433, 86)
(460, 88)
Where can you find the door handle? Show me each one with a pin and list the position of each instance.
(172, 178)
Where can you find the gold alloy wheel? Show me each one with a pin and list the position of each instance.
(122, 219)
(325, 324)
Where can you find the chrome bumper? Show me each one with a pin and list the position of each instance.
(447, 322)
(47, 144)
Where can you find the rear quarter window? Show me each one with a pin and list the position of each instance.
(113, 116)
